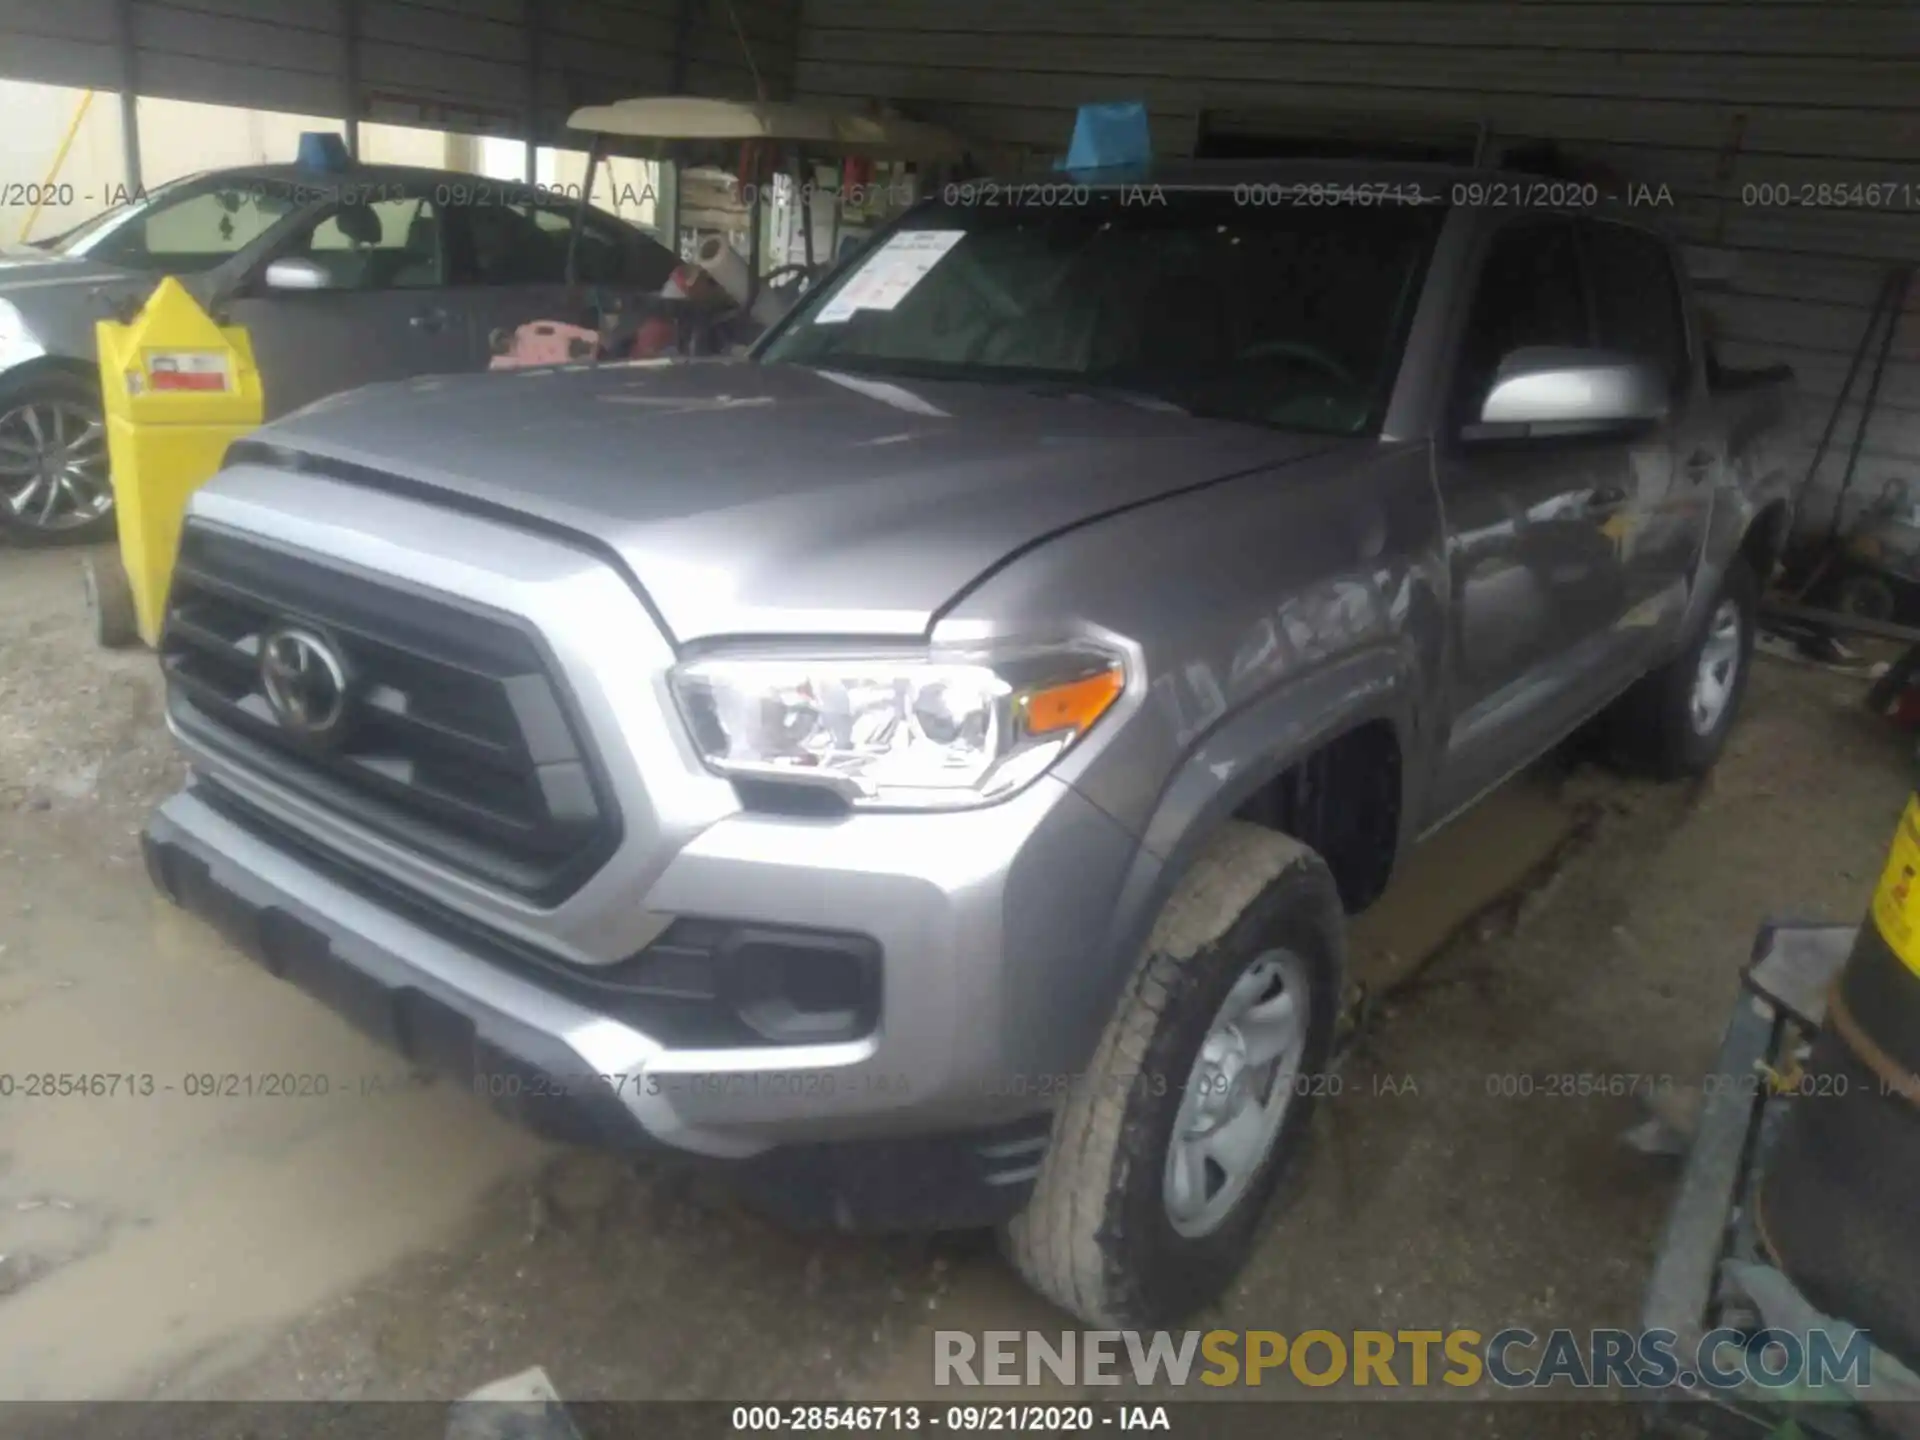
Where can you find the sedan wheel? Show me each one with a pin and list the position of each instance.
(53, 464)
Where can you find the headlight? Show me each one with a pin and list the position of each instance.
(914, 732)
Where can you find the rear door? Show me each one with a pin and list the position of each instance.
(388, 314)
(1536, 580)
(1661, 523)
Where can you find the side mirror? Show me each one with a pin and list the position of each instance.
(296, 272)
(1543, 391)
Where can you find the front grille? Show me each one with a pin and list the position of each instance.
(456, 740)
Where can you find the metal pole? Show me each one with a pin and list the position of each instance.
(531, 120)
(1898, 285)
(129, 97)
(1887, 282)
(594, 152)
(350, 73)
(753, 235)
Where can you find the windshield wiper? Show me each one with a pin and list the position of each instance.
(1119, 394)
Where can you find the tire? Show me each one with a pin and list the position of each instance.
(1099, 1236)
(31, 408)
(1871, 597)
(1655, 726)
(116, 621)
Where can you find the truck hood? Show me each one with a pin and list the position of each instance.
(753, 499)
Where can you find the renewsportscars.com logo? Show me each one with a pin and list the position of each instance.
(1410, 1360)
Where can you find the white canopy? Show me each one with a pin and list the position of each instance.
(814, 130)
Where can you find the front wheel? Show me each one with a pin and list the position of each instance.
(1675, 722)
(53, 461)
(1166, 1154)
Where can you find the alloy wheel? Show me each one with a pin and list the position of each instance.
(53, 464)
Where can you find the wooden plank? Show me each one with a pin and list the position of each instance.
(1774, 129)
(327, 16)
(1868, 83)
(228, 41)
(1785, 29)
(51, 60)
(404, 70)
(221, 82)
(505, 12)
(1765, 320)
(1821, 375)
(1754, 178)
(592, 23)
(383, 22)
(30, 21)
(1827, 280)
(1840, 234)
(577, 75)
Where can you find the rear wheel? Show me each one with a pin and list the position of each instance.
(1676, 721)
(53, 461)
(1167, 1153)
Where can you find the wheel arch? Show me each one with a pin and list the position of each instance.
(1765, 538)
(48, 365)
(1307, 734)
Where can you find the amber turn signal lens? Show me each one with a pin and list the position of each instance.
(1074, 705)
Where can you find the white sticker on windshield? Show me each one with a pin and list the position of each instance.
(886, 277)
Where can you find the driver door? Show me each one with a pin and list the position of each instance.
(388, 313)
(1536, 576)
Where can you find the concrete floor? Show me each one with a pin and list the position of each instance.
(395, 1239)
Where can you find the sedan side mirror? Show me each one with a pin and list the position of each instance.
(296, 272)
(1543, 391)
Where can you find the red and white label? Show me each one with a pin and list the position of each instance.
(189, 370)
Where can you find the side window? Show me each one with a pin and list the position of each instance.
(1529, 293)
(1637, 298)
(511, 247)
(602, 256)
(524, 243)
(193, 232)
(389, 244)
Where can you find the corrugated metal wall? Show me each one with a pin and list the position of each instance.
(1709, 98)
(456, 64)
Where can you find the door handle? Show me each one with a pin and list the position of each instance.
(428, 320)
(1699, 464)
(1605, 497)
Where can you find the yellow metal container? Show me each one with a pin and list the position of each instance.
(178, 389)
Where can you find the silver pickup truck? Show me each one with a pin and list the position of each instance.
(925, 765)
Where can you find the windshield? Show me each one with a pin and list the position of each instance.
(84, 236)
(1290, 316)
(184, 226)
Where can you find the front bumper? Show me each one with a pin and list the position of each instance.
(930, 1120)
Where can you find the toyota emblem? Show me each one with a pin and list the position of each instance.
(306, 684)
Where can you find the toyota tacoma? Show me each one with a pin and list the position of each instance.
(924, 765)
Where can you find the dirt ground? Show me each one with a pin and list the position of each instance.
(394, 1239)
